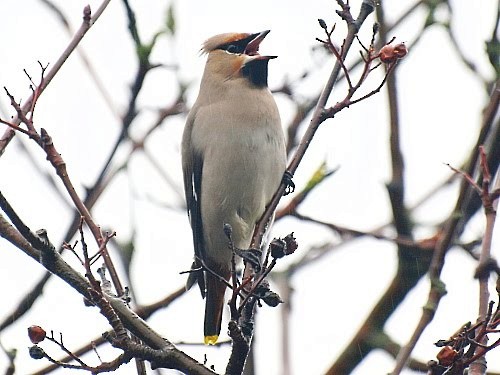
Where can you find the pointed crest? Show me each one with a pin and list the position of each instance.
(221, 39)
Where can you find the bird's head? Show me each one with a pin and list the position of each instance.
(236, 55)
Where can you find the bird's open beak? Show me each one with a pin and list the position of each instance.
(252, 48)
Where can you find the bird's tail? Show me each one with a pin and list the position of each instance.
(213, 308)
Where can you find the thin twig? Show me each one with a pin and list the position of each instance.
(87, 23)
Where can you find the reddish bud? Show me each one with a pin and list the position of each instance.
(447, 356)
(291, 244)
(36, 334)
(389, 54)
(400, 50)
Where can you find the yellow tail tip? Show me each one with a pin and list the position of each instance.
(211, 340)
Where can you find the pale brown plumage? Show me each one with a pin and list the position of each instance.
(233, 158)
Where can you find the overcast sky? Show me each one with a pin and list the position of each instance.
(441, 103)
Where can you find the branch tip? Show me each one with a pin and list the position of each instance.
(87, 14)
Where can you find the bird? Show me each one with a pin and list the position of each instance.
(233, 161)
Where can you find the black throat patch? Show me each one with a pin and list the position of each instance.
(256, 72)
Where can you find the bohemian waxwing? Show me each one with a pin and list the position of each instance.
(233, 158)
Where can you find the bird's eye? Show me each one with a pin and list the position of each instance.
(232, 48)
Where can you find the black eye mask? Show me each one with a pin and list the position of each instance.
(238, 46)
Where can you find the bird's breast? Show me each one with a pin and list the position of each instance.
(242, 146)
(233, 117)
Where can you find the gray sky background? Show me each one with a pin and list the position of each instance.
(441, 103)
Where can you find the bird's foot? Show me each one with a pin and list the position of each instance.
(289, 184)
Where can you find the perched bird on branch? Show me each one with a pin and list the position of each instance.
(233, 159)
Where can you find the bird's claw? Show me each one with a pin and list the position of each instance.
(289, 184)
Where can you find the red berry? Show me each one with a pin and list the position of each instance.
(36, 334)
(447, 356)
(389, 53)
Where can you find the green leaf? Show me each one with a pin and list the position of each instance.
(319, 175)
(170, 21)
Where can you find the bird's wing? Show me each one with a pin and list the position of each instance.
(193, 168)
